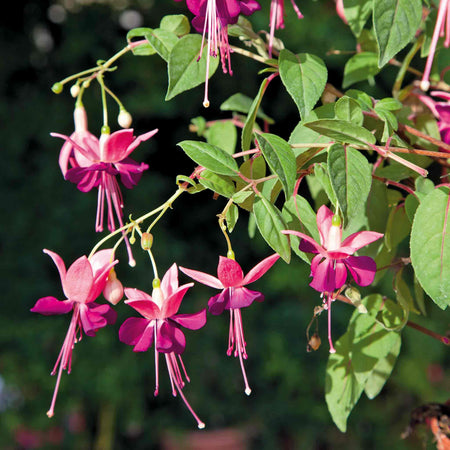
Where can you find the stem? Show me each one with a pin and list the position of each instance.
(104, 105)
(251, 55)
(428, 138)
(394, 183)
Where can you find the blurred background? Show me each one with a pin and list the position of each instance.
(107, 401)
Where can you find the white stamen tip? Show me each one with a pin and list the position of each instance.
(248, 391)
(201, 425)
(132, 263)
(332, 350)
(49, 414)
(206, 103)
(424, 85)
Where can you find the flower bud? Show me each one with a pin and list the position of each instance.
(57, 88)
(75, 90)
(124, 119)
(146, 241)
(113, 291)
(314, 342)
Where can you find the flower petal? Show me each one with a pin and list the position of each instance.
(260, 269)
(92, 319)
(219, 302)
(248, 7)
(313, 244)
(59, 263)
(242, 297)
(324, 218)
(79, 280)
(229, 272)
(101, 263)
(203, 278)
(51, 305)
(361, 239)
(362, 268)
(324, 277)
(172, 304)
(341, 274)
(138, 332)
(170, 339)
(147, 308)
(193, 321)
(169, 283)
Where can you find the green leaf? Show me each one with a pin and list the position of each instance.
(176, 23)
(430, 246)
(232, 217)
(403, 293)
(382, 370)
(323, 177)
(299, 216)
(357, 12)
(346, 108)
(377, 207)
(304, 76)
(397, 227)
(185, 72)
(223, 135)
(342, 390)
(210, 157)
(217, 183)
(241, 103)
(342, 131)
(360, 67)
(389, 103)
(395, 23)
(247, 131)
(280, 157)
(162, 41)
(184, 179)
(351, 178)
(143, 49)
(364, 100)
(270, 224)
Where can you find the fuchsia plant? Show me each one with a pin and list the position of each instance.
(233, 297)
(82, 283)
(161, 326)
(328, 147)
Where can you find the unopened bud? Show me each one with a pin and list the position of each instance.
(336, 220)
(314, 343)
(74, 90)
(113, 291)
(57, 88)
(146, 241)
(124, 119)
(230, 254)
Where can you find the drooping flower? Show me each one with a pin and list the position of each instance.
(95, 163)
(441, 110)
(277, 18)
(442, 28)
(212, 18)
(82, 283)
(334, 257)
(233, 297)
(161, 324)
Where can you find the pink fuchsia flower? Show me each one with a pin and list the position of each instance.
(161, 325)
(233, 297)
(334, 257)
(441, 110)
(442, 28)
(82, 283)
(277, 18)
(95, 163)
(212, 18)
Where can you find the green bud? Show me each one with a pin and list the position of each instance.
(156, 283)
(336, 220)
(230, 254)
(57, 88)
(105, 129)
(146, 241)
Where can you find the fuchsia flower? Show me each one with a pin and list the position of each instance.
(233, 297)
(334, 257)
(277, 18)
(95, 163)
(82, 283)
(441, 110)
(161, 325)
(212, 18)
(441, 28)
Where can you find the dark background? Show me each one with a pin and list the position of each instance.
(107, 401)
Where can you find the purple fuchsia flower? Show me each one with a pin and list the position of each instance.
(161, 325)
(441, 110)
(82, 283)
(334, 257)
(442, 28)
(277, 18)
(95, 163)
(233, 297)
(212, 18)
